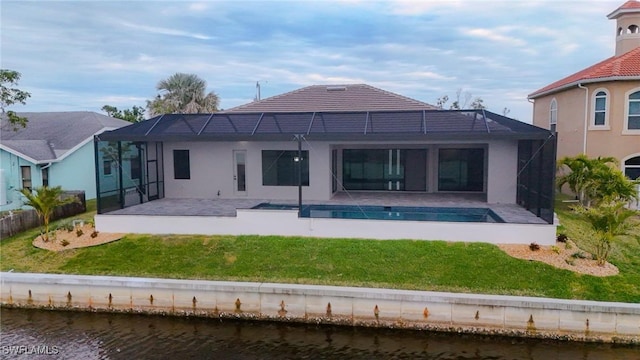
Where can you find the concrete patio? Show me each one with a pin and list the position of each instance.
(510, 213)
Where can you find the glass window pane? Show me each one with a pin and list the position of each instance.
(634, 108)
(461, 170)
(634, 123)
(279, 167)
(635, 95)
(601, 93)
(633, 161)
(599, 118)
(600, 104)
(181, 166)
(632, 173)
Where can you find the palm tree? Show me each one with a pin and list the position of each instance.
(183, 93)
(45, 201)
(608, 220)
(584, 176)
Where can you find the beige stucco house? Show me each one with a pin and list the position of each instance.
(596, 111)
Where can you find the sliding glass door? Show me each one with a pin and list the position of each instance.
(461, 170)
(385, 169)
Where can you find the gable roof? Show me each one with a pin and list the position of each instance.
(328, 126)
(51, 136)
(623, 67)
(352, 97)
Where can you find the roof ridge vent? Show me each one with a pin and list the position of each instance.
(336, 88)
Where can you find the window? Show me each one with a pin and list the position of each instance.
(632, 168)
(461, 170)
(600, 109)
(633, 112)
(106, 167)
(553, 115)
(45, 177)
(26, 177)
(181, 166)
(135, 168)
(279, 168)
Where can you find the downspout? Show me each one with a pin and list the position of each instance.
(586, 117)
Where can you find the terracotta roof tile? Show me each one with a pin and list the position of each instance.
(627, 7)
(616, 67)
(353, 97)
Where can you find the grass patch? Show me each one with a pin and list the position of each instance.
(402, 264)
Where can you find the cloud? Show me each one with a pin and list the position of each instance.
(165, 31)
(495, 35)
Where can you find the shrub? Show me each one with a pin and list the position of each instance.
(555, 249)
(534, 247)
(579, 255)
(562, 238)
(570, 261)
(64, 242)
(94, 234)
(79, 232)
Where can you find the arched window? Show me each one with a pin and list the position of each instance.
(599, 109)
(620, 31)
(633, 29)
(633, 111)
(632, 168)
(553, 115)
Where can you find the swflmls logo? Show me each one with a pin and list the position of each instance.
(29, 350)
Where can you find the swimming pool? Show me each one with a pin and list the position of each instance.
(449, 214)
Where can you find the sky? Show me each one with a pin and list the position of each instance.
(81, 55)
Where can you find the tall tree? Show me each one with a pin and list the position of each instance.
(45, 201)
(10, 96)
(461, 101)
(134, 115)
(183, 93)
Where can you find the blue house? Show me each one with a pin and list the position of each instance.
(54, 149)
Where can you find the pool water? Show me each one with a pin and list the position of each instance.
(406, 213)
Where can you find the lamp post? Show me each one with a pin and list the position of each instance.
(298, 161)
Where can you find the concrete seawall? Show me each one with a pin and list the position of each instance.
(483, 314)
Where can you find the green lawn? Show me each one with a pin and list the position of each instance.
(404, 264)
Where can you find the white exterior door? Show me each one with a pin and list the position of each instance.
(239, 172)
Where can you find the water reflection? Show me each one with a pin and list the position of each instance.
(76, 335)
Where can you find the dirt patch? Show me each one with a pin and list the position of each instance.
(561, 258)
(74, 241)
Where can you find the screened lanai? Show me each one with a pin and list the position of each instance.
(262, 154)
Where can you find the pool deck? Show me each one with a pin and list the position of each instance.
(510, 213)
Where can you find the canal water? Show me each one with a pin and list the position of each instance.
(40, 334)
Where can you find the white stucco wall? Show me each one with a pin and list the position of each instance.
(212, 171)
(287, 223)
(211, 165)
(502, 167)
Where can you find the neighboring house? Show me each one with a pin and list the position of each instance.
(341, 139)
(596, 111)
(54, 149)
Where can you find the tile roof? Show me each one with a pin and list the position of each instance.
(352, 97)
(332, 125)
(51, 135)
(629, 6)
(623, 67)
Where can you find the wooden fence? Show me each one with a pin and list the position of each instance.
(22, 220)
